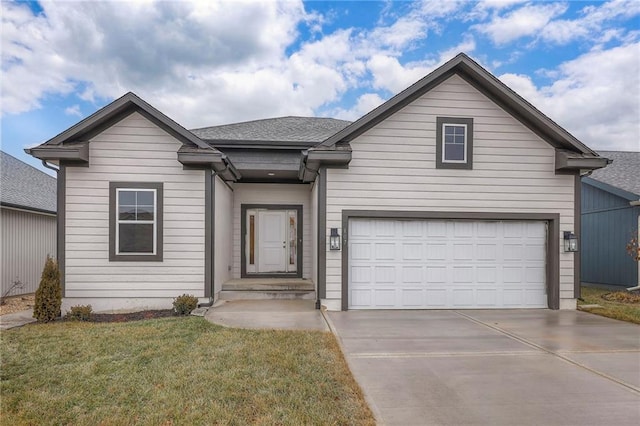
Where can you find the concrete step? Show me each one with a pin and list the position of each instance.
(269, 286)
(267, 294)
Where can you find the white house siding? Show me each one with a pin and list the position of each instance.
(133, 150)
(265, 193)
(223, 244)
(27, 239)
(393, 168)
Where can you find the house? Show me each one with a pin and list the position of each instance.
(455, 193)
(28, 221)
(610, 219)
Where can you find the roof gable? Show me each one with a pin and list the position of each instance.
(116, 111)
(24, 186)
(486, 83)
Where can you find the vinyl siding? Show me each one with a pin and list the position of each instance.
(223, 244)
(265, 193)
(27, 239)
(134, 150)
(394, 168)
(608, 224)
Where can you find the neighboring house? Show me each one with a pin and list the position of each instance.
(455, 193)
(28, 221)
(610, 219)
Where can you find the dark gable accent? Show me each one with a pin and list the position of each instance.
(491, 87)
(468, 165)
(113, 257)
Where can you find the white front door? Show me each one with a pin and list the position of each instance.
(272, 241)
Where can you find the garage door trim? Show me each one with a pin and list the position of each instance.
(553, 240)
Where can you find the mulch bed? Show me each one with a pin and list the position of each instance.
(632, 297)
(132, 316)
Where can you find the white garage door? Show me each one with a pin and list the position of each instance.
(443, 264)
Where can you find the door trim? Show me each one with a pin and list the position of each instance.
(243, 240)
(553, 240)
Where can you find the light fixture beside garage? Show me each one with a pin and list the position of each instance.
(570, 241)
(334, 239)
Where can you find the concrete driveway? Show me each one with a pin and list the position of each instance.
(515, 367)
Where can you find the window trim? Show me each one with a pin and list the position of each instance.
(441, 163)
(114, 188)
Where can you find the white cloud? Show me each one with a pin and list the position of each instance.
(525, 21)
(542, 22)
(595, 96)
(73, 110)
(365, 103)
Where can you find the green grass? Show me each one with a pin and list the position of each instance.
(629, 312)
(174, 371)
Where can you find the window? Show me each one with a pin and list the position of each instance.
(135, 221)
(454, 143)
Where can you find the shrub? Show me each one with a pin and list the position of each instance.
(79, 313)
(49, 293)
(183, 305)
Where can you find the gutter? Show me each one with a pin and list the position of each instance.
(312, 160)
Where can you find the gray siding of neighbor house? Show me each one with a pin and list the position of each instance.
(27, 239)
(608, 223)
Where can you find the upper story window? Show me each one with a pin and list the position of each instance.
(454, 143)
(135, 231)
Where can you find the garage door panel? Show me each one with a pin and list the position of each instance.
(437, 264)
(412, 275)
(385, 251)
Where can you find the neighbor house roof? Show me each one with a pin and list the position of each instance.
(623, 173)
(23, 186)
(307, 130)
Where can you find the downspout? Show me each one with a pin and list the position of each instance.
(212, 221)
(636, 204)
(49, 166)
(58, 239)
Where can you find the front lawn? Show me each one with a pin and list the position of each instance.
(174, 371)
(620, 305)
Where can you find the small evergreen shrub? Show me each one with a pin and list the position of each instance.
(49, 293)
(79, 313)
(183, 305)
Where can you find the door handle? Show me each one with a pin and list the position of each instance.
(284, 244)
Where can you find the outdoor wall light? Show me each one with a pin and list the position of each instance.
(570, 241)
(334, 239)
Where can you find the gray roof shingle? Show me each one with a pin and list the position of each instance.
(22, 185)
(623, 173)
(283, 129)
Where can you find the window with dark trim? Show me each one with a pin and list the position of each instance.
(454, 143)
(135, 221)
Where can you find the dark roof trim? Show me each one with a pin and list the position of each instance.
(312, 160)
(231, 143)
(482, 80)
(629, 196)
(116, 111)
(196, 157)
(566, 161)
(76, 153)
(27, 209)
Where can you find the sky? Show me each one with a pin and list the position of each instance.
(208, 63)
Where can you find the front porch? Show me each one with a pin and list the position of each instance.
(268, 288)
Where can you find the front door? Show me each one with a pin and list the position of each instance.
(272, 241)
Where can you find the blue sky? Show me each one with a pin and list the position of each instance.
(208, 63)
